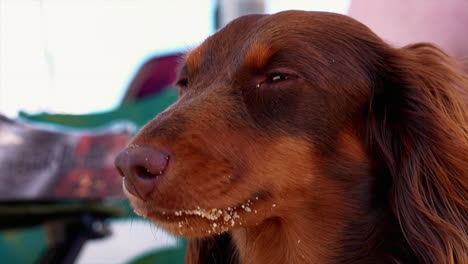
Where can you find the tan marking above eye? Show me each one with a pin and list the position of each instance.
(258, 55)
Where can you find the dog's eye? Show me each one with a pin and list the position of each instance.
(182, 83)
(278, 77)
(275, 78)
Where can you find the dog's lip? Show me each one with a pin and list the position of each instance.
(226, 214)
(210, 214)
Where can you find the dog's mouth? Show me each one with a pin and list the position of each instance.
(206, 221)
(220, 219)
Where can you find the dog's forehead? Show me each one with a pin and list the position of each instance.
(225, 45)
(245, 40)
(251, 40)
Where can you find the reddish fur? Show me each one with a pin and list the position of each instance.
(194, 59)
(359, 156)
(258, 56)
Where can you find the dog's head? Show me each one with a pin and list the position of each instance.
(306, 113)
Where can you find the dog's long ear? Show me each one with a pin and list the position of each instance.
(418, 127)
(215, 250)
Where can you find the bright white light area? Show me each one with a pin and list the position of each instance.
(78, 56)
(335, 6)
(130, 239)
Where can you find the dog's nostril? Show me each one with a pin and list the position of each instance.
(145, 173)
(141, 168)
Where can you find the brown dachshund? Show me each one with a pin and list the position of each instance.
(302, 137)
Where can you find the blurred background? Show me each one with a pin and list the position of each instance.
(79, 78)
(78, 57)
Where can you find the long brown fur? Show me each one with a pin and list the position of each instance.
(357, 153)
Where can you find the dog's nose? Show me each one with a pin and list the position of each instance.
(141, 168)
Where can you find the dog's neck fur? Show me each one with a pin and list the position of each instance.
(296, 237)
(290, 244)
(330, 236)
(330, 244)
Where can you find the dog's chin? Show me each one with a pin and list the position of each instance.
(202, 222)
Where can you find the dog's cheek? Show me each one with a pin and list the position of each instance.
(270, 103)
(287, 166)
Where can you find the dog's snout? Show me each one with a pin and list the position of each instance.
(141, 168)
